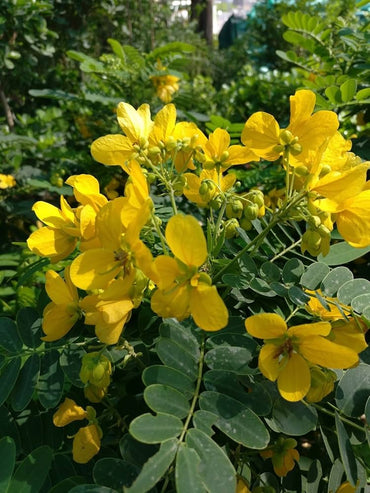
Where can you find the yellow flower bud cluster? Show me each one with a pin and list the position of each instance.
(95, 373)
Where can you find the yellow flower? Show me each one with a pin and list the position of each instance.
(315, 307)
(217, 181)
(96, 369)
(166, 85)
(7, 181)
(177, 141)
(350, 334)
(60, 235)
(287, 353)
(183, 290)
(68, 412)
(346, 195)
(118, 150)
(63, 311)
(121, 249)
(283, 455)
(218, 153)
(306, 133)
(86, 442)
(110, 310)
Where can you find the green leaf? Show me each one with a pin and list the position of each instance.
(363, 94)
(26, 382)
(292, 418)
(298, 296)
(8, 426)
(270, 272)
(361, 302)
(230, 358)
(155, 429)
(8, 377)
(314, 274)
(168, 376)
(91, 488)
(51, 380)
(333, 94)
(343, 253)
(204, 420)
(334, 280)
(346, 452)
(353, 390)
(187, 471)
(67, 484)
(351, 289)
(53, 94)
(336, 474)
(181, 335)
(135, 452)
(235, 419)
(165, 399)
(7, 462)
(117, 49)
(9, 337)
(114, 473)
(154, 469)
(314, 476)
(32, 472)
(292, 271)
(348, 90)
(216, 470)
(262, 287)
(29, 327)
(174, 356)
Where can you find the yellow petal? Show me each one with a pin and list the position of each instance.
(185, 237)
(135, 124)
(164, 124)
(53, 243)
(350, 335)
(165, 271)
(172, 303)
(191, 190)
(114, 150)
(57, 289)
(261, 135)
(86, 444)
(354, 221)
(68, 412)
(325, 353)
(269, 363)
(240, 155)
(207, 308)
(302, 105)
(110, 333)
(58, 320)
(219, 141)
(49, 214)
(295, 379)
(266, 326)
(308, 330)
(94, 269)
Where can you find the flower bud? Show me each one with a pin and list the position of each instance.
(231, 228)
(234, 209)
(314, 221)
(286, 137)
(251, 212)
(322, 383)
(245, 224)
(216, 202)
(207, 190)
(96, 370)
(295, 149)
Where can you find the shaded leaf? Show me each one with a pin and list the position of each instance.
(26, 382)
(32, 472)
(8, 377)
(7, 462)
(9, 337)
(353, 390)
(165, 399)
(187, 471)
(155, 429)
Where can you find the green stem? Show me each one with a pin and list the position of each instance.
(330, 413)
(196, 392)
(160, 234)
(287, 249)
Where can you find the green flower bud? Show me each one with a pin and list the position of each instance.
(251, 212)
(96, 370)
(286, 137)
(216, 202)
(314, 222)
(231, 228)
(234, 209)
(257, 197)
(295, 149)
(301, 171)
(245, 224)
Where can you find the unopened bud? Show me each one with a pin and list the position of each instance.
(325, 170)
(251, 212)
(301, 171)
(295, 149)
(286, 137)
(231, 228)
(245, 224)
(234, 209)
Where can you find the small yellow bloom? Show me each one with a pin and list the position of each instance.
(315, 307)
(322, 383)
(86, 444)
(96, 369)
(350, 334)
(68, 412)
(218, 153)
(63, 311)
(346, 487)
(283, 455)
(288, 353)
(218, 182)
(7, 181)
(306, 133)
(242, 487)
(166, 85)
(183, 290)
